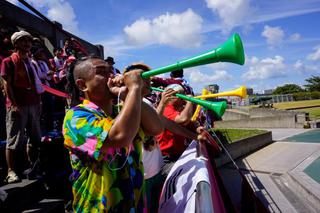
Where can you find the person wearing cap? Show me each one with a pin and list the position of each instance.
(173, 145)
(111, 62)
(44, 72)
(23, 89)
(176, 77)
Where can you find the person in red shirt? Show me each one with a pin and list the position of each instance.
(22, 88)
(173, 145)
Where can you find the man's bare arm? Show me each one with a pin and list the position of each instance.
(150, 120)
(178, 129)
(186, 114)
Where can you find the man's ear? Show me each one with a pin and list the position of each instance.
(81, 85)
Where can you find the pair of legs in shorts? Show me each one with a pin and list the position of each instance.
(21, 123)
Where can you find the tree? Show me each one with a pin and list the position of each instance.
(313, 84)
(287, 89)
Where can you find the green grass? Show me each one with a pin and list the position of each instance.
(314, 113)
(232, 135)
(296, 104)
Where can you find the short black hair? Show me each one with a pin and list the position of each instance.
(177, 73)
(139, 66)
(82, 64)
(77, 69)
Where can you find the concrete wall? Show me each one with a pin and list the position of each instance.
(263, 112)
(235, 115)
(262, 118)
(14, 15)
(284, 121)
(257, 112)
(244, 147)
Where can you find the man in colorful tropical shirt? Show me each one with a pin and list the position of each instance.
(105, 142)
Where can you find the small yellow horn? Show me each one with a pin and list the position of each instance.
(240, 92)
(196, 113)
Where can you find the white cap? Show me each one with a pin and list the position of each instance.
(17, 35)
(175, 87)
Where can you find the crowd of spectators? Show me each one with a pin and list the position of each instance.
(28, 69)
(27, 111)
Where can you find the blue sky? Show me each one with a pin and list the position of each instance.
(281, 37)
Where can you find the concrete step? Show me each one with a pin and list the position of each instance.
(305, 183)
(37, 195)
(277, 191)
(263, 186)
(46, 206)
(44, 194)
(21, 194)
(297, 197)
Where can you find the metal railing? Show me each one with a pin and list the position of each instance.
(204, 200)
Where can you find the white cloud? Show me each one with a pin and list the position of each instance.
(274, 35)
(60, 11)
(295, 37)
(264, 11)
(115, 46)
(265, 68)
(315, 55)
(298, 65)
(140, 32)
(273, 14)
(195, 76)
(217, 66)
(231, 14)
(177, 30)
(301, 67)
(64, 14)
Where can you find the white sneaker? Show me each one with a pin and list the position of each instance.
(12, 177)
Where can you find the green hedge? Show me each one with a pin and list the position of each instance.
(232, 135)
(300, 96)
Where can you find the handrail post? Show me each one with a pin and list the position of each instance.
(203, 202)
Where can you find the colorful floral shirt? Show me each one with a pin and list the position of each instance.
(102, 182)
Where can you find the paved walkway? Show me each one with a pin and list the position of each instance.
(276, 174)
(280, 134)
